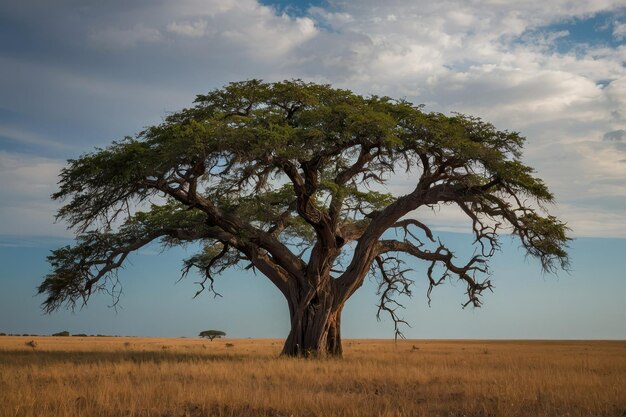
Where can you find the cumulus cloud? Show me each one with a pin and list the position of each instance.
(243, 25)
(499, 61)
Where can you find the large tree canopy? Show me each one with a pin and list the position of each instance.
(290, 179)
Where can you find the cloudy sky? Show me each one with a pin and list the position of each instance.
(75, 75)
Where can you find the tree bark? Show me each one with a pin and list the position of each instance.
(315, 326)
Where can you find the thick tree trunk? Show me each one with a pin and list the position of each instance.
(315, 327)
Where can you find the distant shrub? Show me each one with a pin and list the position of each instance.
(63, 333)
(80, 335)
(3, 334)
(212, 334)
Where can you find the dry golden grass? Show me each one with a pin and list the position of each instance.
(70, 376)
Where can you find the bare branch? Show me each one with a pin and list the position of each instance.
(394, 282)
(442, 255)
(198, 263)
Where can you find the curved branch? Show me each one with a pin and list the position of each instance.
(404, 224)
(234, 226)
(443, 256)
(197, 262)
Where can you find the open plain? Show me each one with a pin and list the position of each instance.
(117, 376)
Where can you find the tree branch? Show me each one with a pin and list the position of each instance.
(394, 282)
(443, 256)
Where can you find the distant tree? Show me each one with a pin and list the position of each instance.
(290, 179)
(212, 334)
(63, 333)
(3, 334)
(79, 335)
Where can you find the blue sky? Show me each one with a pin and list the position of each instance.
(74, 76)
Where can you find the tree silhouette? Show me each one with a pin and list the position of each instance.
(212, 334)
(289, 179)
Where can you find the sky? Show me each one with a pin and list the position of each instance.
(76, 75)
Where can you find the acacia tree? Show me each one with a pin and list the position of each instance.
(212, 334)
(288, 179)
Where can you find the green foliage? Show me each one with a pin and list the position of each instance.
(63, 333)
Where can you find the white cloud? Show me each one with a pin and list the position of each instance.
(619, 31)
(262, 34)
(25, 205)
(195, 29)
(451, 56)
(616, 95)
(593, 221)
(240, 25)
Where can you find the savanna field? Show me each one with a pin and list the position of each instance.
(115, 376)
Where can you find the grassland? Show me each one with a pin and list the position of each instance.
(71, 376)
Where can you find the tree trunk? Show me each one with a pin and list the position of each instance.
(315, 327)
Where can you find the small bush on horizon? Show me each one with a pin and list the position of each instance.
(212, 334)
